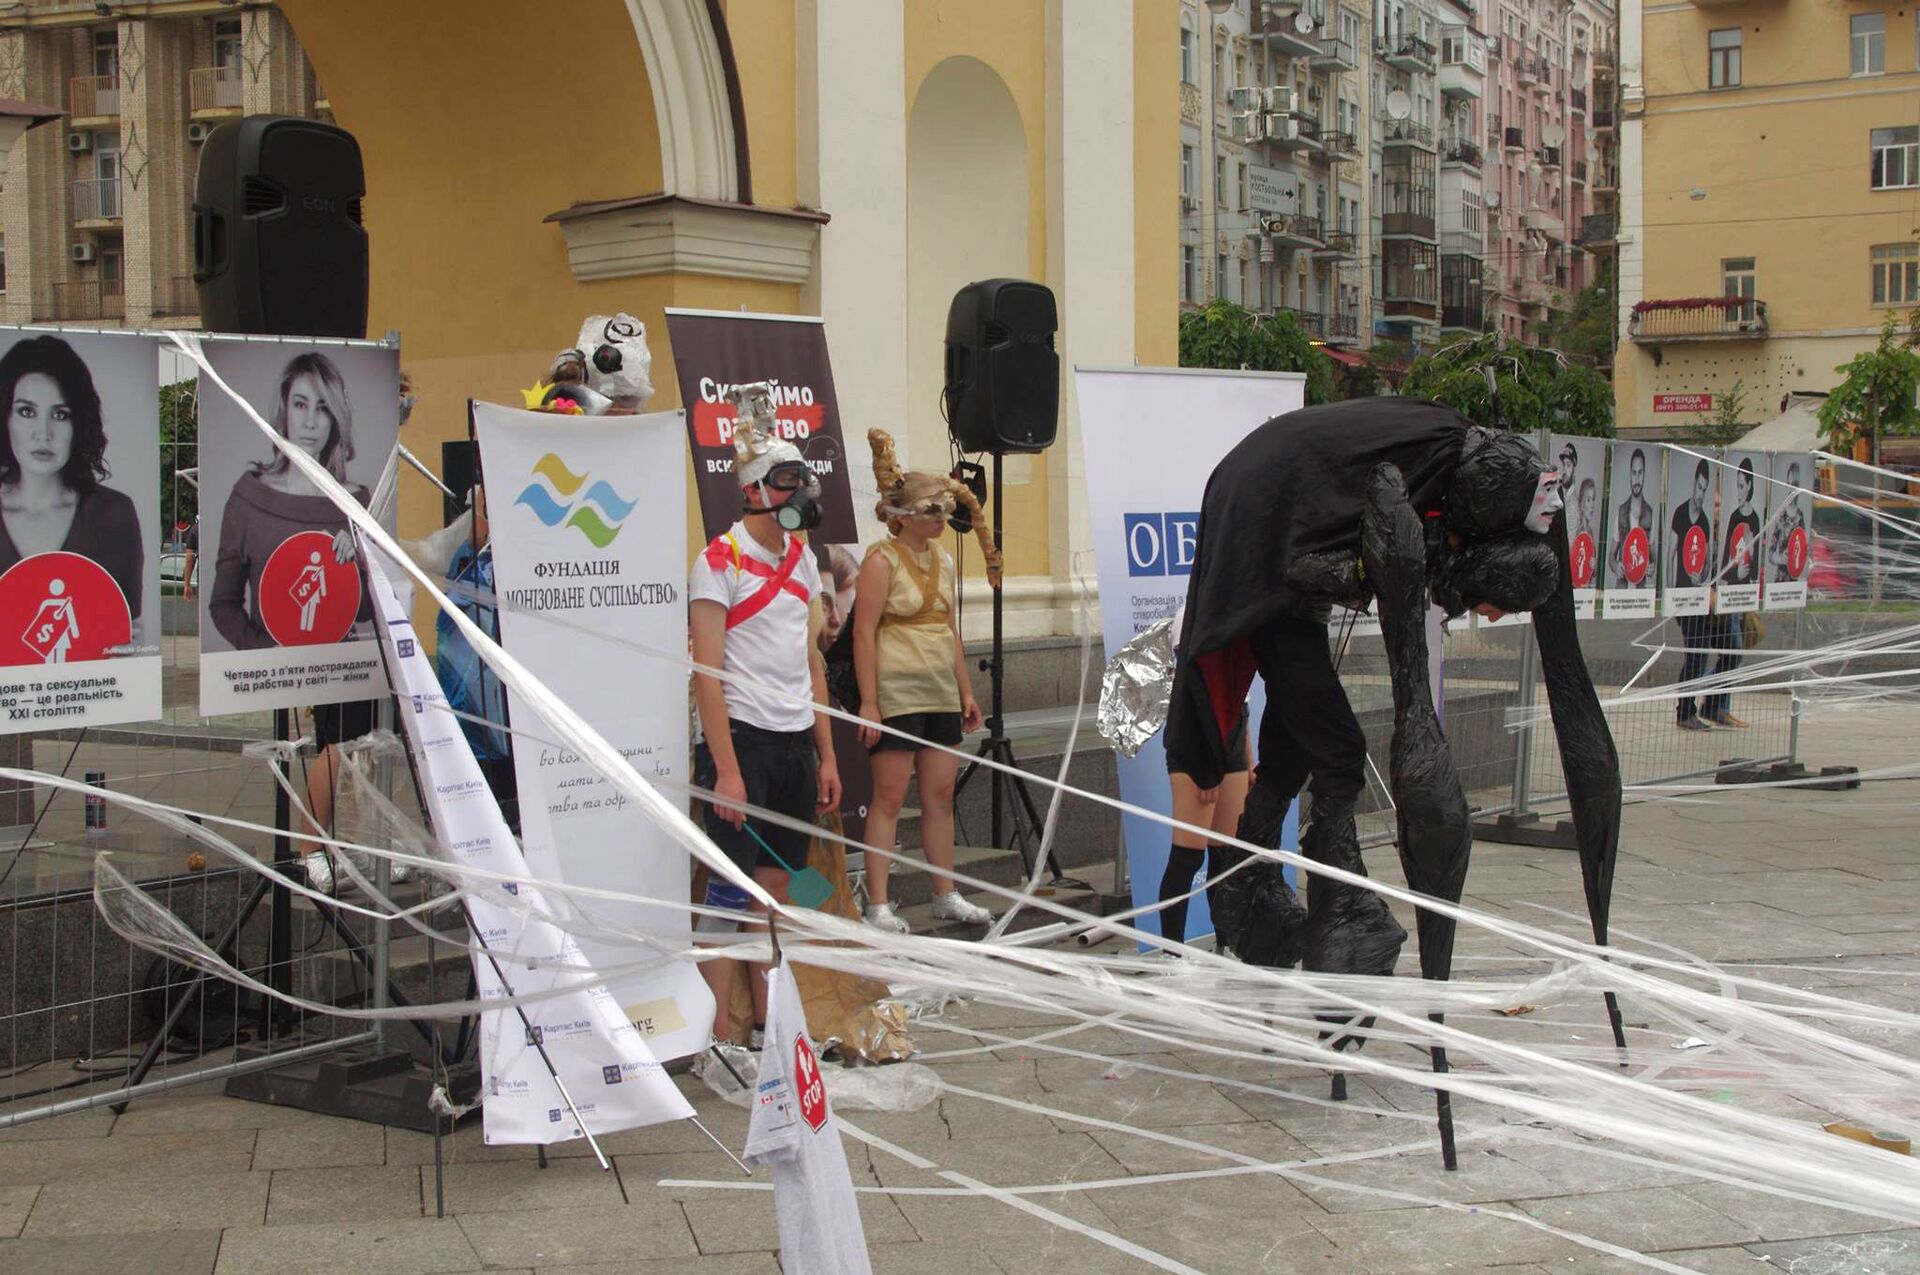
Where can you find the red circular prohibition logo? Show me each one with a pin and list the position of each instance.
(307, 597)
(1582, 560)
(60, 608)
(1635, 556)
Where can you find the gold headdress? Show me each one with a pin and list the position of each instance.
(903, 491)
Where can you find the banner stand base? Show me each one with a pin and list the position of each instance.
(1826, 779)
(380, 1086)
(1526, 830)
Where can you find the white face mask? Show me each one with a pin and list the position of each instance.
(1547, 502)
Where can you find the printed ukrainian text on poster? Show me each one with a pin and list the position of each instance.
(615, 1081)
(1146, 523)
(715, 350)
(79, 530)
(286, 615)
(589, 553)
(1633, 531)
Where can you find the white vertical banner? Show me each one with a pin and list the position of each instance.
(1633, 532)
(1152, 437)
(590, 562)
(1687, 565)
(1789, 532)
(1583, 486)
(614, 1080)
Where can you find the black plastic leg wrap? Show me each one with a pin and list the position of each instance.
(1350, 929)
(1255, 912)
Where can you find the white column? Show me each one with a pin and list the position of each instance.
(852, 110)
(1090, 230)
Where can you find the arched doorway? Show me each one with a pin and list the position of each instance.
(967, 219)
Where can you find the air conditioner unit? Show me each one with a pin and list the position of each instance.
(1243, 98)
(82, 252)
(1188, 203)
(1280, 99)
(1282, 128)
(197, 131)
(1251, 128)
(79, 143)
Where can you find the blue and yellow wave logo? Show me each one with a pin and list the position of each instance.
(598, 514)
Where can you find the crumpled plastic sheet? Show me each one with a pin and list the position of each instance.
(1137, 688)
(896, 1088)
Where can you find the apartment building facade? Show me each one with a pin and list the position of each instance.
(1771, 164)
(96, 210)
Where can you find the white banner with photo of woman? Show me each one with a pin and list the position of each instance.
(1743, 512)
(79, 530)
(1687, 565)
(1583, 486)
(286, 617)
(1789, 533)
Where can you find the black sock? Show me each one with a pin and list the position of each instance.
(1219, 859)
(1182, 863)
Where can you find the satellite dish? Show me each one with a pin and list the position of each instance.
(1493, 199)
(1399, 104)
(1303, 22)
(1553, 135)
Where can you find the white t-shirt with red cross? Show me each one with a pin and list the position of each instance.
(768, 598)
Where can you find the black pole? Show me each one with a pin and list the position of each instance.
(997, 780)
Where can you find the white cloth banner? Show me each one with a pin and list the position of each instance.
(1789, 530)
(590, 557)
(1152, 437)
(612, 1076)
(792, 1129)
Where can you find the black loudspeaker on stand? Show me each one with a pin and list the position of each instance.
(1003, 395)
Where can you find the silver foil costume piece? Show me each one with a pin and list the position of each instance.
(1137, 688)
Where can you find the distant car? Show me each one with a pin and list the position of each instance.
(173, 570)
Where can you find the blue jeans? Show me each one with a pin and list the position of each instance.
(1704, 635)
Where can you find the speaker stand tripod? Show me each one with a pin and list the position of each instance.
(996, 747)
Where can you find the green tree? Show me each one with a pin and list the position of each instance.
(1875, 396)
(179, 449)
(1227, 335)
(1584, 328)
(1728, 420)
(1539, 389)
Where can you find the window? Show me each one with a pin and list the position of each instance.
(1246, 191)
(1219, 181)
(1470, 212)
(1246, 290)
(1189, 266)
(1737, 277)
(1723, 58)
(1240, 68)
(226, 42)
(106, 53)
(1220, 275)
(1896, 274)
(1186, 54)
(1186, 172)
(1350, 28)
(1869, 40)
(110, 255)
(1895, 158)
(1220, 68)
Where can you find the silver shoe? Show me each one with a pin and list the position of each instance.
(881, 916)
(319, 870)
(951, 907)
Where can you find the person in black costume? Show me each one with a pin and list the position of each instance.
(1398, 501)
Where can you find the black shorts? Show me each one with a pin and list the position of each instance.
(1236, 750)
(338, 723)
(928, 728)
(782, 774)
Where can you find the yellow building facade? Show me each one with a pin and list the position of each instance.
(1768, 151)
(531, 164)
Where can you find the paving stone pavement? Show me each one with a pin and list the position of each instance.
(1816, 889)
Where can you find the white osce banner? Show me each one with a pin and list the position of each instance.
(1152, 437)
(614, 1080)
(589, 518)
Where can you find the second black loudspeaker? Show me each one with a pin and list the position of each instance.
(278, 247)
(1003, 374)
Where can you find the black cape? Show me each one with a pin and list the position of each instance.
(1295, 486)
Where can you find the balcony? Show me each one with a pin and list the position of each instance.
(1494, 130)
(1603, 117)
(1526, 69)
(1288, 134)
(1516, 139)
(1277, 19)
(1546, 222)
(1577, 98)
(1412, 55)
(1468, 314)
(93, 99)
(1462, 152)
(1698, 319)
(1580, 172)
(1339, 145)
(96, 202)
(175, 298)
(1597, 233)
(1406, 133)
(1463, 65)
(1606, 182)
(213, 91)
(1294, 231)
(1312, 322)
(1462, 243)
(89, 300)
(1603, 60)
(1406, 225)
(1542, 77)
(1550, 157)
(1336, 54)
(1343, 327)
(1340, 245)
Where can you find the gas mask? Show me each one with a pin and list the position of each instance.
(802, 510)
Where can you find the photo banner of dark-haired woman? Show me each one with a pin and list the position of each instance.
(79, 530)
(286, 619)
